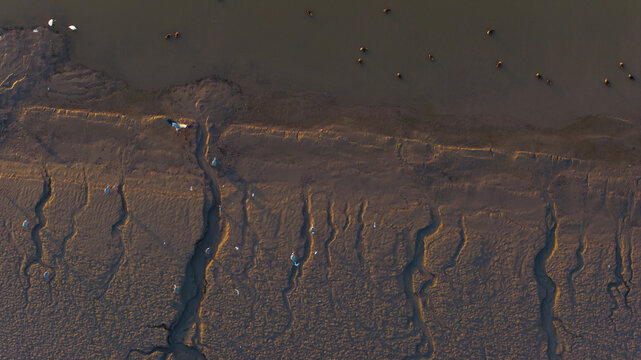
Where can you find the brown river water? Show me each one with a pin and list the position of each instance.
(274, 46)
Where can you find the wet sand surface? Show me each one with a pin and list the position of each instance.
(415, 237)
(275, 46)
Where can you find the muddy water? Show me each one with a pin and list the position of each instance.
(274, 45)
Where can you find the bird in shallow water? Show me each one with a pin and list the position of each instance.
(499, 64)
(630, 76)
(387, 10)
(621, 64)
(430, 57)
(490, 32)
(606, 82)
(50, 22)
(177, 125)
(549, 82)
(399, 75)
(73, 27)
(359, 60)
(168, 36)
(539, 76)
(363, 49)
(309, 13)
(177, 35)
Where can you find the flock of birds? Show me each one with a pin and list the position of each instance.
(363, 49)
(490, 32)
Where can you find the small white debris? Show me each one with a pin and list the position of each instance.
(73, 27)
(35, 30)
(48, 89)
(374, 225)
(191, 188)
(50, 22)
(236, 247)
(237, 292)
(252, 194)
(608, 266)
(315, 252)
(164, 243)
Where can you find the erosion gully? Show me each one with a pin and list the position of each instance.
(194, 285)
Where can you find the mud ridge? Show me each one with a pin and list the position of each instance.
(193, 287)
(583, 245)
(424, 349)
(244, 229)
(459, 247)
(328, 243)
(74, 216)
(116, 233)
(332, 232)
(547, 287)
(296, 271)
(35, 231)
(580, 264)
(618, 268)
(629, 247)
(285, 294)
(143, 352)
(358, 245)
(306, 234)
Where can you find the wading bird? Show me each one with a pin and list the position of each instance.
(178, 126)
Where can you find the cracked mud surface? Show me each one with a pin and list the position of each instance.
(435, 239)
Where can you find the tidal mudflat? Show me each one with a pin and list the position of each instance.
(155, 212)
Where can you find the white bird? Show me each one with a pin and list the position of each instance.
(178, 125)
(35, 30)
(73, 27)
(50, 22)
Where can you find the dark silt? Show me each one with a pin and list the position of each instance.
(275, 45)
